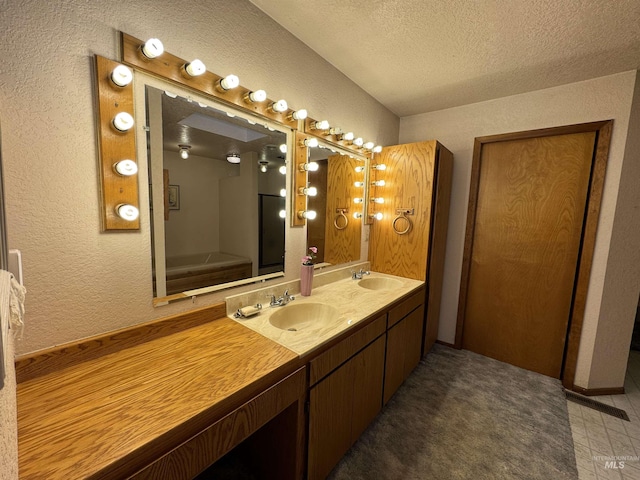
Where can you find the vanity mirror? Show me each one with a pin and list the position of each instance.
(218, 194)
(171, 190)
(341, 191)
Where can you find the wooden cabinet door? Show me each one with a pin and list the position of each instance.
(404, 345)
(330, 407)
(367, 387)
(342, 405)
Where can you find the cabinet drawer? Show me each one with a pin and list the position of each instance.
(324, 363)
(403, 309)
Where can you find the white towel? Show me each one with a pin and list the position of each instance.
(12, 296)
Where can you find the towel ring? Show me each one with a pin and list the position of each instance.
(402, 215)
(341, 215)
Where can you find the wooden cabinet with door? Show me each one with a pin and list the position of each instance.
(417, 180)
(344, 400)
(404, 342)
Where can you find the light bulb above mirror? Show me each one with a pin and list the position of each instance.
(320, 125)
(377, 149)
(299, 114)
(280, 106)
(369, 145)
(195, 68)
(229, 83)
(256, 97)
(152, 48)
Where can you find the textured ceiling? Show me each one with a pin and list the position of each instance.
(416, 56)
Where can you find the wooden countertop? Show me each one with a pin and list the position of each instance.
(107, 417)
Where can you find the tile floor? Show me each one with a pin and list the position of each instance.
(603, 442)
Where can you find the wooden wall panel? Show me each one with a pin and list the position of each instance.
(342, 245)
(409, 181)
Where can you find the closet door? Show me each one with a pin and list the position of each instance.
(525, 246)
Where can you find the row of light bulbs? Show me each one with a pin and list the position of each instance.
(122, 76)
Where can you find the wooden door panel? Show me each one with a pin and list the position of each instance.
(526, 241)
(367, 387)
(330, 408)
(342, 244)
(409, 184)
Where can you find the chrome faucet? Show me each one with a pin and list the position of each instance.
(281, 301)
(358, 275)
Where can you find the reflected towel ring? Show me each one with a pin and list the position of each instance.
(402, 215)
(341, 215)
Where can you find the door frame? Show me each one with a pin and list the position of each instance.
(587, 243)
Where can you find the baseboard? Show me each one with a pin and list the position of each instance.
(446, 344)
(591, 392)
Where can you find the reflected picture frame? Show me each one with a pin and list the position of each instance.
(174, 197)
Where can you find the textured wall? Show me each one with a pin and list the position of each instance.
(8, 420)
(599, 99)
(82, 282)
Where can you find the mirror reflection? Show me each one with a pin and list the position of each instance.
(218, 186)
(335, 231)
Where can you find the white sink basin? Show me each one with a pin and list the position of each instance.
(302, 316)
(380, 283)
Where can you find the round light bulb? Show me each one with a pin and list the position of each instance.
(377, 200)
(283, 148)
(380, 166)
(283, 192)
(358, 200)
(379, 183)
(321, 125)
(377, 216)
(308, 214)
(283, 170)
(309, 191)
(184, 153)
(369, 145)
(195, 68)
(349, 136)
(335, 131)
(263, 168)
(126, 167)
(309, 167)
(152, 48)
(358, 184)
(359, 169)
(121, 76)
(258, 96)
(282, 214)
(311, 142)
(123, 121)
(377, 149)
(357, 215)
(300, 114)
(233, 158)
(232, 81)
(127, 212)
(280, 106)
(358, 142)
